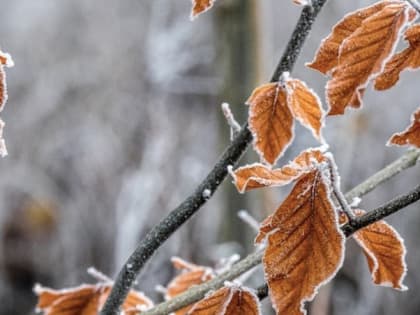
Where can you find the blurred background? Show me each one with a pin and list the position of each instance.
(114, 117)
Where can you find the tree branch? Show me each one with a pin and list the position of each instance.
(161, 232)
(405, 161)
(198, 292)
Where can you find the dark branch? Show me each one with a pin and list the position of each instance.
(383, 211)
(161, 232)
(373, 216)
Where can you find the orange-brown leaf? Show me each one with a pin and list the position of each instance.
(257, 175)
(385, 253)
(305, 106)
(85, 300)
(409, 58)
(410, 136)
(200, 6)
(190, 275)
(326, 57)
(273, 107)
(270, 120)
(229, 300)
(363, 54)
(305, 244)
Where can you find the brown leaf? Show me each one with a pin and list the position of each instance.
(409, 58)
(410, 136)
(85, 300)
(191, 275)
(258, 175)
(305, 244)
(305, 106)
(200, 6)
(362, 55)
(385, 253)
(326, 57)
(270, 120)
(273, 107)
(229, 300)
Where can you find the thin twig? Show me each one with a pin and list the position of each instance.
(409, 159)
(235, 127)
(161, 232)
(196, 293)
(250, 220)
(414, 4)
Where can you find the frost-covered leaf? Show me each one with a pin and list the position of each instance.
(305, 244)
(273, 108)
(326, 58)
(86, 300)
(200, 6)
(270, 120)
(258, 175)
(409, 58)
(229, 300)
(190, 275)
(362, 55)
(410, 136)
(305, 106)
(385, 253)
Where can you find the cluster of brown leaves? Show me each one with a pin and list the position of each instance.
(5, 60)
(86, 300)
(357, 49)
(305, 245)
(360, 49)
(273, 109)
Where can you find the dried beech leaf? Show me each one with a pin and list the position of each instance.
(305, 106)
(190, 275)
(305, 244)
(326, 57)
(362, 55)
(273, 107)
(271, 121)
(86, 300)
(229, 300)
(258, 175)
(410, 136)
(200, 6)
(385, 252)
(409, 58)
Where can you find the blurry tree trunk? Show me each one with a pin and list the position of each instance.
(237, 26)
